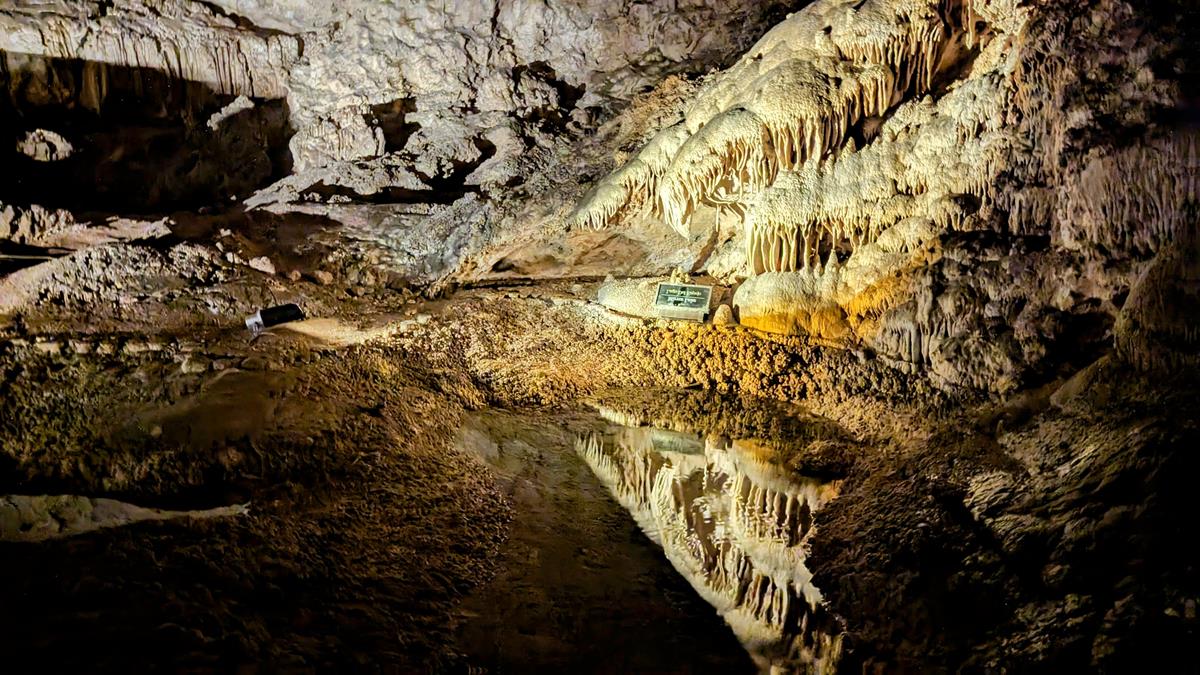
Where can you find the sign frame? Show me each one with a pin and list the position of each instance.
(683, 301)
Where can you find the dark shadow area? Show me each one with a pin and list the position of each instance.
(323, 192)
(957, 59)
(392, 119)
(865, 130)
(242, 22)
(293, 241)
(554, 116)
(14, 256)
(455, 183)
(133, 140)
(1081, 336)
(9, 478)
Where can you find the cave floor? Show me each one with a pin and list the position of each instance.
(967, 531)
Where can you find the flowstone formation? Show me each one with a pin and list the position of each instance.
(870, 148)
(792, 98)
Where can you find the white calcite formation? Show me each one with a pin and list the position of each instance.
(793, 98)
(776, 139)
(856, 135)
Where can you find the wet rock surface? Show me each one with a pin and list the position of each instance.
(731, 515)
(579, 587)
(996, 532)
(316, 575)
(41, 517)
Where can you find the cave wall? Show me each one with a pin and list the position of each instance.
(968, 189)
(382, 107)
(89, 136)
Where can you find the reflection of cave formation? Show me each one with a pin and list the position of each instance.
(735, 526)
(139, 139)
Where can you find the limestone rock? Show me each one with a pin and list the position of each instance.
(181, 38)
(239, 104)
(193, 364)
(38, 518)
(344, 135)
(435, 82)
(723, 316)
(790, 304)
(1156, 330)
(262, 264)
(44, 146)
(32, 224)
(634, 297)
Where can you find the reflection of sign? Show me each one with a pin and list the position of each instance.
(682, 301)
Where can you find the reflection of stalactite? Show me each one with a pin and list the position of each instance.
(734, 525)
(765, 514)
(628, 475)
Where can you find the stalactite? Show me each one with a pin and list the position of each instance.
(1133, 199)
(730, 148)
(791, 100)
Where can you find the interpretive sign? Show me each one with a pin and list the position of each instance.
(682, 301)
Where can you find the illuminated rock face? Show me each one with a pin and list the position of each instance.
(735, 525)
(774, 137)
(383, 105)
(182, 40)
(460, 72)
(855, 137)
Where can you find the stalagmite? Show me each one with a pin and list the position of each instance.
(1156, 330)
